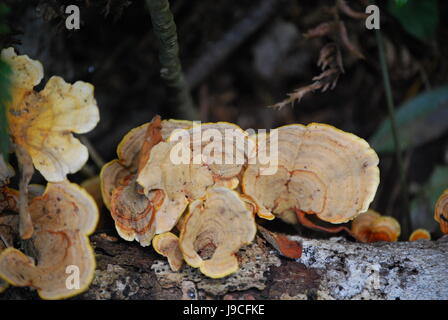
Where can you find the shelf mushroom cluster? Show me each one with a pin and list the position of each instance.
(204, 212)
(51, 224)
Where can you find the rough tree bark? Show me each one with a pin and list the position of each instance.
(328, 269)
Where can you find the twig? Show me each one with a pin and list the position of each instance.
(219, 51)
(403, 216)
(171, 71)
(92, 152)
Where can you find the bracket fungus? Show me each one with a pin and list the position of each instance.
(419, 234)
(63, 217)
(321, 170)
(167, 244)
(42, 122)
(372, 227)
(216, 227)
(441, 212)
(132, 211)
(188, 163)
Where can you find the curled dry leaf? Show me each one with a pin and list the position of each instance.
(286, 247)
(63, 217)
(441, 212)
(215, 229)
(42, 122)
(321, 170)
(420, 234)
(167, 244)
(183, 181)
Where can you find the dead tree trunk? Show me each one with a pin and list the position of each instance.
(328, 269)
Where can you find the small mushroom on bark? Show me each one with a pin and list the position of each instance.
(321, 170)
(63, 217)
(214, 230)
(441, 212)
(385, 229)
(362, 225)
(420, 234)
(372, 227)
(167, 244)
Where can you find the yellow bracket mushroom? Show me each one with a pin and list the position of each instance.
(321, 170)
(132, 211)
(42, 122)
(189, 179)
(217, 226)
(167, 244)
(64, 265)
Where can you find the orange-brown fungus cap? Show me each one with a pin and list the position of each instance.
(385, 229)
(441, 212)
(42, 122)
(132, 211)
(63, 217)
(362, 225)
(321, 170)
(420, 234)
(167, 244)
(214, 230)
(187, 181)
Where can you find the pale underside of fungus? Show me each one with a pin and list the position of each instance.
(167, 244)
(133, 211)
(321, 170)
(214, 230)
(63, 217)
(42, 122)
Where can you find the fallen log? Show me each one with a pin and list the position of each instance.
(328, 269)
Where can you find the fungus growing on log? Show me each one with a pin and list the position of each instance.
(214, 230)
(420, 234)
(372, 227)
(441, 212)
(385, 229)
(63, 217)
(321, 170)
(362, 225)
(167, 244)
(132, 211)
(199, 165)
(42, 122)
